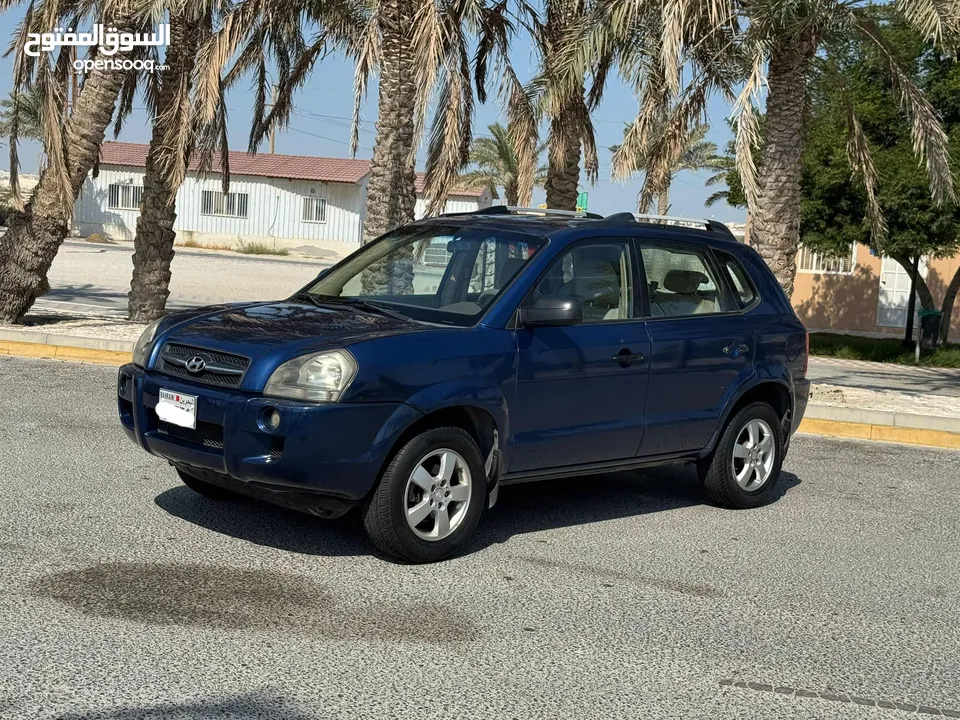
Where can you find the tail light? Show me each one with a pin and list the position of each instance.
(806, 355)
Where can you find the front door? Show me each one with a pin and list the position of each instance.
(581, 389)
(701, 348)
(895, 293)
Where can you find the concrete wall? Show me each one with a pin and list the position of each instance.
(274, 211)
(849, 302)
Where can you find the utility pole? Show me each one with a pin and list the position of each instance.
(273, 127)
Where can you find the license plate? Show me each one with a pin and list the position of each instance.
(177, 408)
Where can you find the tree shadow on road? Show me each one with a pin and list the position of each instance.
(521, 509)
(242, 707)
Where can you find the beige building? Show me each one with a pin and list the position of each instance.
(863, 293)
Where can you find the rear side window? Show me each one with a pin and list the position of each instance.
(680, 282)
(743, 289)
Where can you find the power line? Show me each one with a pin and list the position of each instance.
(324, 137)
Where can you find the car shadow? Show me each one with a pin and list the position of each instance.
(534, 507)
(523, 508)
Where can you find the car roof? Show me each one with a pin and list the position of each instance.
(545, 222)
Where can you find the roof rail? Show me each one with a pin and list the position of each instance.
(711, 225)
(515, 210)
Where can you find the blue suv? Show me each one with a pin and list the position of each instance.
(465, 352)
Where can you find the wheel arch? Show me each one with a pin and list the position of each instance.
(776, 392)
(480, 412)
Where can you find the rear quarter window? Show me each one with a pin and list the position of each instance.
(744, 291)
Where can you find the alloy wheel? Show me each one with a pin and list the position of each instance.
(437, 494)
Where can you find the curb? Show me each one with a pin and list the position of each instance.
(883, 433)
(65, 347)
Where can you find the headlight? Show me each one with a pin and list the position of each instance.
(319, 378)
(142, 348)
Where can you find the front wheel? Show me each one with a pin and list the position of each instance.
(430, 497)
(745, 466)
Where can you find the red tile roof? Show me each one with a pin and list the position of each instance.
(296, 167)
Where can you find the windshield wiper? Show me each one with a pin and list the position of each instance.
(358, 304)
(309, 297)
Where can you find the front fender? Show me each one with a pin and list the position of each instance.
(465, 392)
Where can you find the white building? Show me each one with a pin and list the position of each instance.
(281, 200)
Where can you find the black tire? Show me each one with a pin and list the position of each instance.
(384, 513)
(214, 492)
(716, 474)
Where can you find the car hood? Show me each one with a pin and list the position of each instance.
(278, 330)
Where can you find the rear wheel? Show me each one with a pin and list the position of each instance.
(214, 492)
(745, 466)
(430, 497)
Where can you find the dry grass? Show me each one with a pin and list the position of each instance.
(259, 248)
(191, 243)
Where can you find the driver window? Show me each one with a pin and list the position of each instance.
(597, 274)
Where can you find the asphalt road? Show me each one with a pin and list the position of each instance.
(124, 595)
(88, 278)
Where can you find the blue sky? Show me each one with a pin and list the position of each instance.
(320, 126)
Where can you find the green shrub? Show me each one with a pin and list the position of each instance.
(888, 350)
(259, 248)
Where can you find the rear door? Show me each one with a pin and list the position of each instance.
(581, 389)
(701, 346)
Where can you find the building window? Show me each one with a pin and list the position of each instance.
(124, 197)
(314, 209)
(223, 204)
(809, 261)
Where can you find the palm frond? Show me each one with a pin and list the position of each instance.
(930, 140)
(860, 159)
(935, 20)
(367, 59)
(744, 118)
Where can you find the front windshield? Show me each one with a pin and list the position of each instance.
(433, 273)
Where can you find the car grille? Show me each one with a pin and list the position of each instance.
(207, 434)
(219, 368)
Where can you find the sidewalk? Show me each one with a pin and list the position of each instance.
(884, 376)
(848, 398)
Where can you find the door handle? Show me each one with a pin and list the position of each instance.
(625, 357)
(735, 350)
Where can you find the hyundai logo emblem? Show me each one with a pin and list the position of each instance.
(196, 364)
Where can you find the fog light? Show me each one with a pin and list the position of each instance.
(270, 419)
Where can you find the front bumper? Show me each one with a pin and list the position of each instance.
(335, 450)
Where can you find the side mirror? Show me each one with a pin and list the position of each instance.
(552, 311)
(323, 272)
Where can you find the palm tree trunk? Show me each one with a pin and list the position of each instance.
(153, 243)
(34, 235)
(947, 307)
(391, 191)
(563, 173)
(511, 194)
(663, 201)
(775, 232)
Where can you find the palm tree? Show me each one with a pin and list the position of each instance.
(420, 51)
(29, 120)
(170, 139)
(771, 44)
(72, 147)
(497, 166)
(697, 154)
(561, 99)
